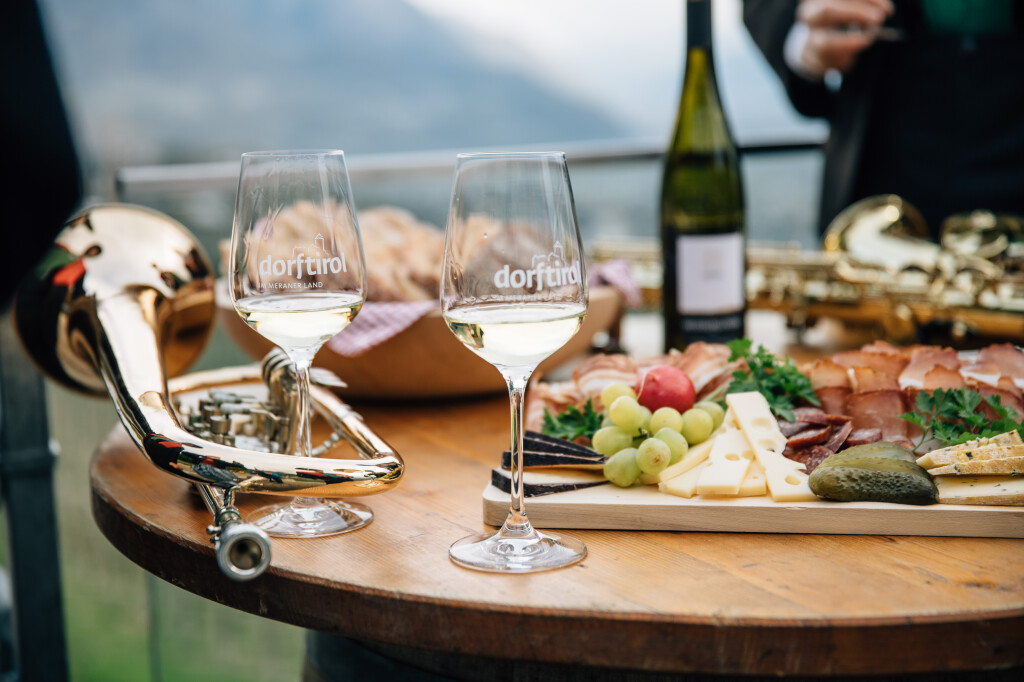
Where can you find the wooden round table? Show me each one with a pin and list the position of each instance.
(741, 603)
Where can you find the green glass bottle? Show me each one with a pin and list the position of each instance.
(702, 215)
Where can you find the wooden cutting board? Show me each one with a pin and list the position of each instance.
(644, 508)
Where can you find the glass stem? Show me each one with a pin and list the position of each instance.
(517, 524)
(302, 430)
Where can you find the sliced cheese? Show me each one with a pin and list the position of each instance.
(684, 485)
(729, 420)
(754, 483)
(980, 453)
(728, 463)
(981, 448)
(995, 490)
(786, 479)
(1000, 466)
(694, 456)
(789, 486)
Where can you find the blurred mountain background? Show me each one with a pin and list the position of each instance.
(192, 80)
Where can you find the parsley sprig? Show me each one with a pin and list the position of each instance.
(571, 423)
(953, 416)
(781, 383)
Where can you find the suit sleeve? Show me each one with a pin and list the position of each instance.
(768, 22)
(45, 185)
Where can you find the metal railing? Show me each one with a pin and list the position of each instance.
(190, 177)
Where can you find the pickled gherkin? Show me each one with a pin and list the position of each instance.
(876, 472)
(882, 449)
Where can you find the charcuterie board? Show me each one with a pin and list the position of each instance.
(607, 507)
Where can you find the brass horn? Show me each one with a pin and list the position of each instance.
(126, 298)
(878, 267)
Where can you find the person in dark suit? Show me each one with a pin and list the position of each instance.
(924, 97)
(42, 184)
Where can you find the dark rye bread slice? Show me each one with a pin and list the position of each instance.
(538, 483)
(546, 452)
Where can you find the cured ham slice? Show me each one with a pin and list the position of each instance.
(994, 363)
(1008, 358)
(598, 371)
(551, 396)
(925, 359)
(884, 347)
(942, 377)
(833, 398)
(892, 364)
(878, 410)
(827, 374)
(866, 379)
(1009, 395)
(702, 362)
(831, 383)
(723, 379)
(981, 372)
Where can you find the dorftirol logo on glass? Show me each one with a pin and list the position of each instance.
(306, 261)
(546, 271)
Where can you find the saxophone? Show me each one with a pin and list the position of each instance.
(878, 268)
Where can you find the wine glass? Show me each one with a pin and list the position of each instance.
(513, 291)
(298, 278)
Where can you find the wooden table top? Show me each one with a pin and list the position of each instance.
(660, 601)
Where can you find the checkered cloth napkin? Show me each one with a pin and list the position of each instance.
(378, 322)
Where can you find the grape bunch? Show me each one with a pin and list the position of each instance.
(637, 441)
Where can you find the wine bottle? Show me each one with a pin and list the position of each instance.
(702, 212)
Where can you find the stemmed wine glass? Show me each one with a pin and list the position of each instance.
(298, 278)
(513, 291)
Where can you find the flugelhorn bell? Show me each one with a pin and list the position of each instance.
(125, 298)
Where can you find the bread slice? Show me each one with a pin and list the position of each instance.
(994, 490)
(1000, 466)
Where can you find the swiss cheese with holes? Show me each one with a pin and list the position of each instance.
(728, 463)
(785, 478)
(685, 484)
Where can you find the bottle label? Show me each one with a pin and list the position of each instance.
(709, 277)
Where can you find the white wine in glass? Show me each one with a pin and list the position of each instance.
(513, 291)
(298, 278)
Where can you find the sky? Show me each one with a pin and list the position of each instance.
(626, 55)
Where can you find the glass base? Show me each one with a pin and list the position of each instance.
(501, 553)
(310, 518)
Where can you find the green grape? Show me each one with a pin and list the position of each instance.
(610, 439)
(675, 441)
(697, 426)
(714, 409)
(653, 456)
(606, 421)
(612, 391)
(665, 417)
(645, 421)
(626, 413)
(622, 469)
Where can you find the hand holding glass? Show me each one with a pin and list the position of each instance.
(298, 278)
(513, 291)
